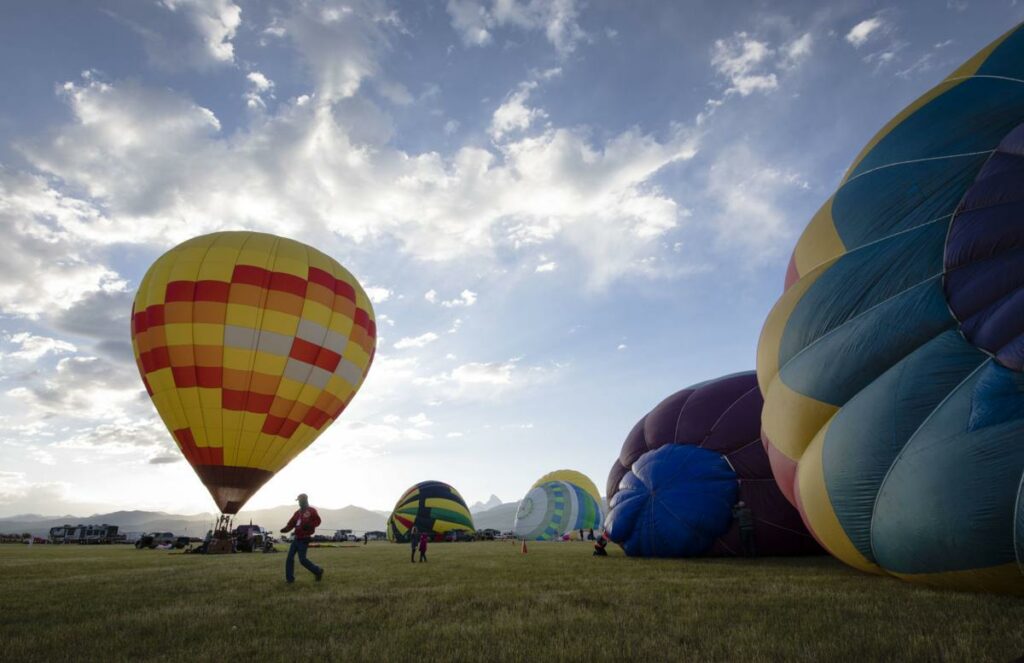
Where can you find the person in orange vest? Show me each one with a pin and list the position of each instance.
(304, 522)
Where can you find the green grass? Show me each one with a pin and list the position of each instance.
(481, 601)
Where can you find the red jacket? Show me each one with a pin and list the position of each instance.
(304, 522)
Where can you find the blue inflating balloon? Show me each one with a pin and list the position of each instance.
(674, 502)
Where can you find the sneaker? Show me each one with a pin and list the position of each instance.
(319, 575)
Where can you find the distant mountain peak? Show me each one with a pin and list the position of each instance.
(491, 502)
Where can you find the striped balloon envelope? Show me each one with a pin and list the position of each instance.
(432, 507)
(553, 509)
(250, 345)
(893, 365)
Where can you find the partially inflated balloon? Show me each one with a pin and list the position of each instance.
(892, 365)
(433, 508)
(250, 346)
(558, 503)
(683, 468)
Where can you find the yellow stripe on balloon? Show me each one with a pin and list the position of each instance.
(817, 510)
(775, 326)
(819, 242)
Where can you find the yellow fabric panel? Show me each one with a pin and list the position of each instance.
(216, 270)
(257, 250)
(316, 312)
(443, 503)
(775, 325)
(179, 334)
(238, 359)
(279, 323)
(308, 395)
(573, 477)
(161, 381)
(183, 270)
(320, 261)
(817, 507)
(207, 334)
(209, 399)
(289, 389)
(268, 364)
(241, 315)
(819, 241)
(169, 407)
(791, 420)
(1002, 579)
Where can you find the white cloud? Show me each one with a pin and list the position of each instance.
(83, 387)
(215, 21)
(451, 127)
(861, 33)
(548, 266)
(749, 191)
(430, 296)
(485, 381)
(378, 294)
(621, 346)
(741, 59)
(416, 341)
(475, 21)
(465, 298)
(162, 171)
(259, 85)
(32, 347)
(420, 420)
(514, 115)
(798, 50)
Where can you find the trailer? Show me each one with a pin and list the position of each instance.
(83, 534)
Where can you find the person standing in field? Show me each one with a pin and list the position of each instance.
(414, 540)
(423, 547)
(745, 519)
(304, 522)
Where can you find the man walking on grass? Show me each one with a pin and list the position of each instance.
(304, 522)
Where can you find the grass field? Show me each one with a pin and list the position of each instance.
(481, 601)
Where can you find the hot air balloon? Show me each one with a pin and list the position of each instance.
(891, 366)
(685, 466)
(558, 503)
(250, 346)
(434, 508)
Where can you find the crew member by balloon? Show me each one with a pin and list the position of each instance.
(304, 522)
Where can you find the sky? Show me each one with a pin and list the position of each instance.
(563, 212)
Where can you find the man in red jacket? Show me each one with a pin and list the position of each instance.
(304, 522)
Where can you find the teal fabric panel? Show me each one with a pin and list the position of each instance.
(870, 431)
(884, 202)
(1007, 59)
(970, 117)
(948, 502)
(861, 280)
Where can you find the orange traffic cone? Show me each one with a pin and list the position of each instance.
(524, 546)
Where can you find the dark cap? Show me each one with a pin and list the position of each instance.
(303, 497)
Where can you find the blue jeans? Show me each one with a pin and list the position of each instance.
(299, 546)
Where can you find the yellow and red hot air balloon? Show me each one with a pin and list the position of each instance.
(250, 346)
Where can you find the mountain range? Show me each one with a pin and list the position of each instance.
(491, 514)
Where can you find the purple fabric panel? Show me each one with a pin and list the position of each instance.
(984, 256)
(750, 461)
(614, 477)
(738, 425)
(705, 407)
(778, 528)
(972, 289)
(660, 423)
(634, 446)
